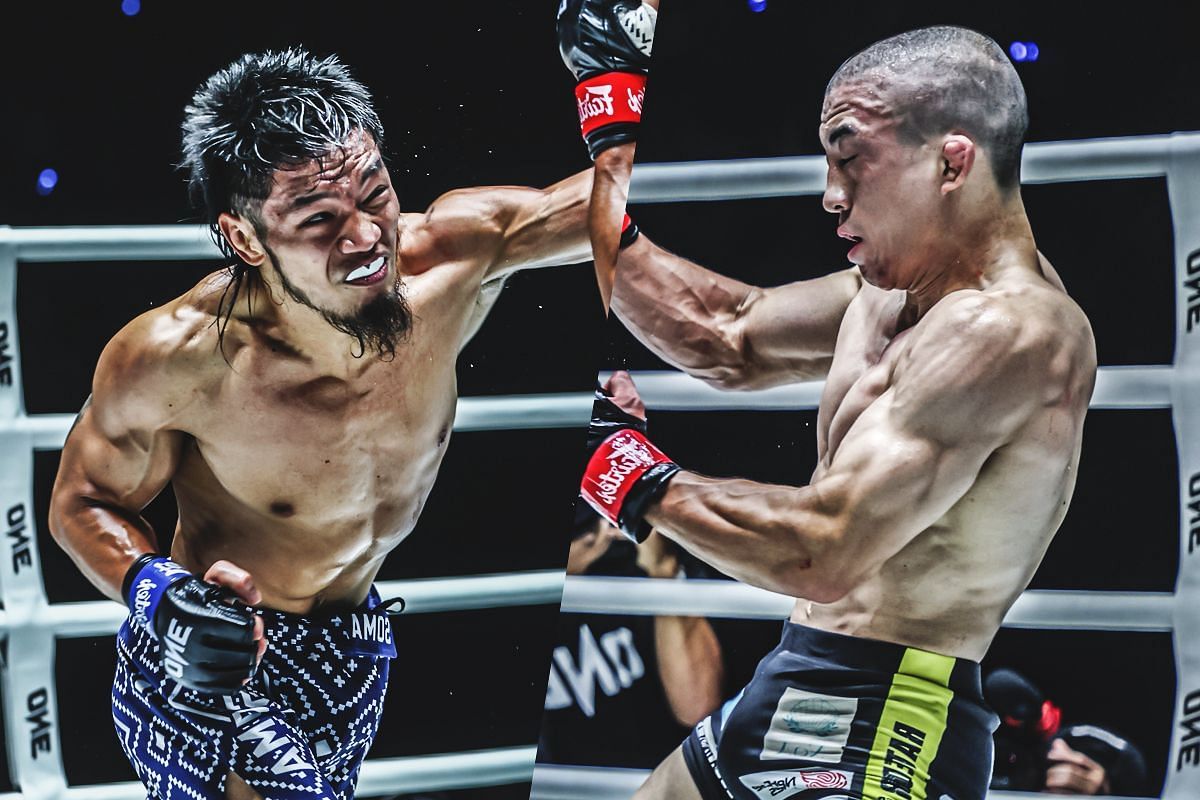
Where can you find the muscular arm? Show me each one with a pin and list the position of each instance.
(118, 456)
(723, 331)
(971, 380)
(501, 229)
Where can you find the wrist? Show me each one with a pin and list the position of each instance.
(624, 475)
(147, 579)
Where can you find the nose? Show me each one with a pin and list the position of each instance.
(360, 234)
(835, 200)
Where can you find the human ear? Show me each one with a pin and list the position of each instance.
(958, 157)
(242, 238)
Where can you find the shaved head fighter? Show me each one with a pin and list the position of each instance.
(957, 375)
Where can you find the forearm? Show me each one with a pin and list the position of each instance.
(779, 538)
(687, 315)
(102, 540)
(689, 665)
(610, 191)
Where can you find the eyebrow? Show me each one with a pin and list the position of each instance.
(306, 200)
(844, 129)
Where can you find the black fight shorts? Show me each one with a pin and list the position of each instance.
(842, 718)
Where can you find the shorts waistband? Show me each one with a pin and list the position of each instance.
(322, 615)
(842, 652)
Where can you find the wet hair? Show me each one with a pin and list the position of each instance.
(951, 78)
(263, 112)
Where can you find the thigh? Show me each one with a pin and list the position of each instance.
(670, 780)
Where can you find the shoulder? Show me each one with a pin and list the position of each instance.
(456, 226)
(159, 362)
(989, 360)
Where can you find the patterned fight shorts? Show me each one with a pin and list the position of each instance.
(841, 718)
(299, 729)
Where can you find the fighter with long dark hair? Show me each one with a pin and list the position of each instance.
(299, 403)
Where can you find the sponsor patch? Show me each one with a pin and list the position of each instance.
(784, 783)
(810, 726)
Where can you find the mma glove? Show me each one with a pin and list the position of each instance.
(206, 643)
(625, 472)
(606, 44)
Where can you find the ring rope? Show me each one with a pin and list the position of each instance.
(1038, 608)
(421, 596)
(561, 782)
(1042, 162)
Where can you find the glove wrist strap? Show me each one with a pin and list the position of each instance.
(629, 232)
(152, 579)
(609, 98)
(614, 469)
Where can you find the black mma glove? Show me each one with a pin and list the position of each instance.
(207, 644)
(606, 44)
(625, 472)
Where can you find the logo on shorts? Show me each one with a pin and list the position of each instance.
(810, 726)
(372, 627)
(270, 742)
(596, 102)
(782, 784)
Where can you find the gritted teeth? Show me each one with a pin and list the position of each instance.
(366, 270)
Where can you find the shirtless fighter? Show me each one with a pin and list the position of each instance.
(299, 403)
(957, 375)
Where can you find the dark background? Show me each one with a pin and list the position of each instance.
(470, 93)
(728, 83)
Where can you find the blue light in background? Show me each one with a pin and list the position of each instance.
(757, 5)
(1023, 51)
(47, 180)
(130, 8)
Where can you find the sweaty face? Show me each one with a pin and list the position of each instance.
(883, 190)
(331, 235)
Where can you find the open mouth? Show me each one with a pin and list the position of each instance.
(370, 273)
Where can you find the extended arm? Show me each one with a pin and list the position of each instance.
(500, 229)
(910, 456)
(723, 331)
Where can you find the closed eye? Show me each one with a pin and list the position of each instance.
(377, 195)
(842, 162)
(316, 219)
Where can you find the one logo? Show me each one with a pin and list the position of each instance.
(174, 644)
(596, 102)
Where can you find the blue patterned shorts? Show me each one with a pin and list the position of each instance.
(300, 729)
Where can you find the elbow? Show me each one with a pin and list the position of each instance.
(821, 571)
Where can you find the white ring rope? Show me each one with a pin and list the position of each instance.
(421, 596)
(1039, 608)
(30, 622)
(1043, 162)
(560, 782)
(379, 776)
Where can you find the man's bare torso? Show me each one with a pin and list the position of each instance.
(308, 479)
(948, 589)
